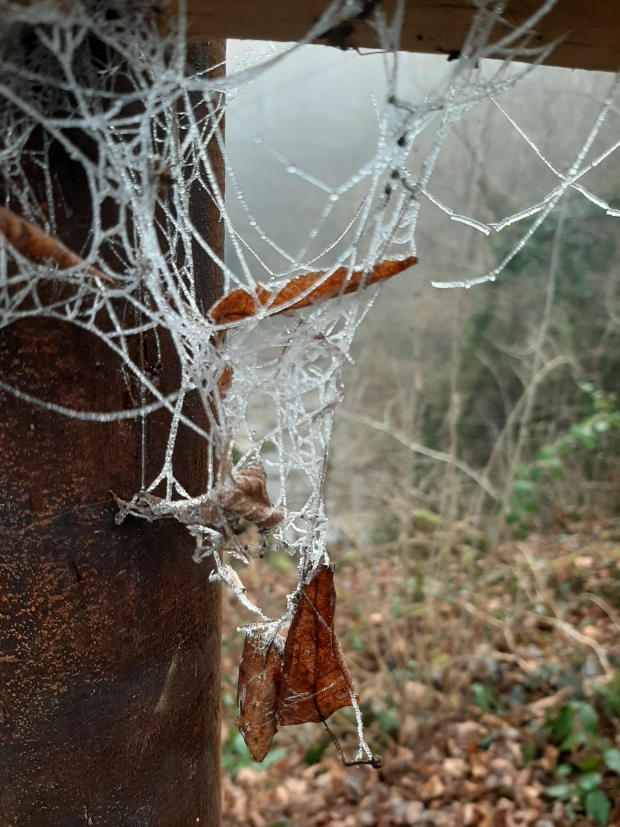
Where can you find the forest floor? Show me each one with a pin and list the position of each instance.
(487, 681)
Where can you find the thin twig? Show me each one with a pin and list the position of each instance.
(604, 605)
(570, 631)
(481, 479)
(499, 624)
(546, 596)
(376, 762)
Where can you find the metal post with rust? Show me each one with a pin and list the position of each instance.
(109, 635)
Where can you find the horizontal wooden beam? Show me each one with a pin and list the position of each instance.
(590, 28)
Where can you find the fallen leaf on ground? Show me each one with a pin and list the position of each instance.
(433, 788)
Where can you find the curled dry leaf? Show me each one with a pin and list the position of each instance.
(258, 691)
(315, 678)
(244, 495)
(35, 245)
(249, 498)
(311, 288)
(239, 304)
(304, 682)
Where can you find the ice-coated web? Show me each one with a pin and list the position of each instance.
(269, 383)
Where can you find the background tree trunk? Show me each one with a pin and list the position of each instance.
(109, 635)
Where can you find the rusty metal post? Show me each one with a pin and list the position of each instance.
(109, 635)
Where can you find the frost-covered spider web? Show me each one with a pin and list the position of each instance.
(269, 374)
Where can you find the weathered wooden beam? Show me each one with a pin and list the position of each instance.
(109, 635)
(590, 28)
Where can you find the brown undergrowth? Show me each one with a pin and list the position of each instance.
(487, 681)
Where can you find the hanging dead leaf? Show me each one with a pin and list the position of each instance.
(304, 680)
(241, 303)
(315, 678)
(258, 692)
(248, 498)
(35, 245)
(244, 495)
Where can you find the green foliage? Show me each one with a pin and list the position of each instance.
(496, 356)
(598, 807)
(611, 696)
(612, 760)
(586, 435)
(386, 530)
(280, 561)
(315, 752)
(356, 641)
(426, 520)
(389, 719)
(575, 728)
(236, 756)
(483, 698)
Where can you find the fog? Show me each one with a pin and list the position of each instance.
(316, 115)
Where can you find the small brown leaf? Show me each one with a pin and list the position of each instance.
(249, 498)
(241, 303)
(257, 692)
(35, 245)
(433, 788)
(337, 284)
(315, 678)
(224, 381)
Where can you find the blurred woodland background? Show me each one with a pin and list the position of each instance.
(474, 473)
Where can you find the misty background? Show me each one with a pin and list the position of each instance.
(455, 371)
(473, 477)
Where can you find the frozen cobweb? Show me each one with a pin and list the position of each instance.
(269, 382)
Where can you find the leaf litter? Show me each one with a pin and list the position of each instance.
(472, 734)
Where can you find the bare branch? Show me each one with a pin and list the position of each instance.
(481, 479)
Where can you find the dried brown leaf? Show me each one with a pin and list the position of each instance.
(433, 788)
(35, 245)
(248, 498)
(258, 692)
(337, 284)
(224, 381)
(303, 681)
(315, 678)
(241, 303)
(552, 702)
